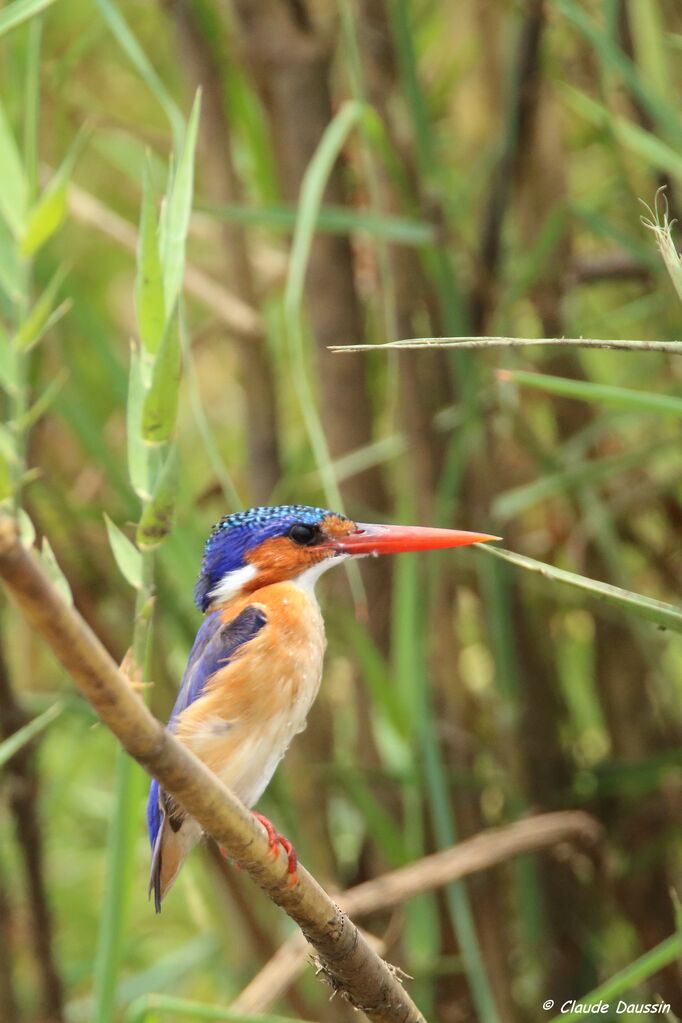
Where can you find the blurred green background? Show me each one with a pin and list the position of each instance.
(443, 168)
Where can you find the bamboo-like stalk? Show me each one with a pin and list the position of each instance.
(345, 956)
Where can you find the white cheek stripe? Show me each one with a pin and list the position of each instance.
(232, 582)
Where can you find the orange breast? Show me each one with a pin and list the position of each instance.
(251, 709)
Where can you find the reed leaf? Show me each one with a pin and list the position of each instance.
(126, 555)
(665, 616)
(599, 394)
(177, 210)
(160, 405)
(15, 14)
(149, 293)
(14, 193)
(23, 736)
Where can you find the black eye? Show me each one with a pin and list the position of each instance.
(302, 534)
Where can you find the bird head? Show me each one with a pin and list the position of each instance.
(261, 546)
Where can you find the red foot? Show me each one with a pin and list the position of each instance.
(275, 840)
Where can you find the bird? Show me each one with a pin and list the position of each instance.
(255, 667)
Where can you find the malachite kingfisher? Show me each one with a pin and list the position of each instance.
(256, 664)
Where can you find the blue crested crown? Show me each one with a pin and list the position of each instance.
(237, 534)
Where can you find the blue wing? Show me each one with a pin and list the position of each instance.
(215, 646)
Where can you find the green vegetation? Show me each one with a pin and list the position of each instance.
(198, 200)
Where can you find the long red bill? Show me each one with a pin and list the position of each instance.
(378, 539)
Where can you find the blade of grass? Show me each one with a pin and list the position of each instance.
(334, 219)
(131, 156)
(530, 267)
(451, 300)
(409, 672)
(665, 616)
(126, 554)
(312, 190)
(409, 665)
(54, 570)
(14, 193)
(377, 675)
(24, 735)
(455, 314)
(629, 977)
(41, 316)
(594, 223)
(149, 294)
(444, 827)
(119, 879)
(12, 271)
(378, 452)
(218, 466)
(49, 210)
(649, 31)
(496, 584)
(664, 113)
(32, 105)
(654, 151)
(379, 822)
(138, 58)
(369, 154)
(19, 12)
(600, 394)
(160, 405)
(148, 1007)
(166, 972)
(139, 469)
(177, 210)
(590, 473)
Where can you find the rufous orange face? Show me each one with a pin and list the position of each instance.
(281, 557)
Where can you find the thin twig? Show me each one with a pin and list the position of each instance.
(481, 852)
(671, 347)
(347, 958)
(484, 850)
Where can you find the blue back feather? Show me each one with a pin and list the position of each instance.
(215, 646)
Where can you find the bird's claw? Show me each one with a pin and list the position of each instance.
(275, 840)
(292, 860)
(273, 837)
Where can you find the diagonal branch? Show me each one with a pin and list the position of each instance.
(487, 849)
(344, 954)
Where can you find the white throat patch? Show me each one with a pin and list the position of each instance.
(307, 579)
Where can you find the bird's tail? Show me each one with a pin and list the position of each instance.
(175, 837)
